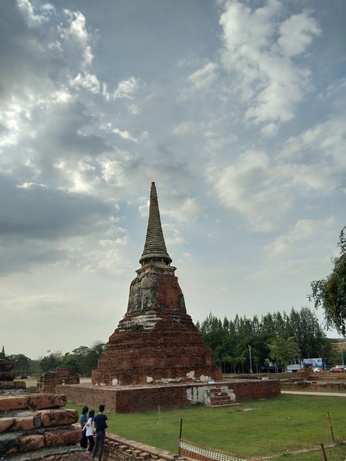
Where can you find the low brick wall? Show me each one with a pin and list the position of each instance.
(49, 380)
(131, 399)
(246, 390)
(37, 427)
(121, 449)
(314, 386)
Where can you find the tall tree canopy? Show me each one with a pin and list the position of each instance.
(230, 340)
(330, 293)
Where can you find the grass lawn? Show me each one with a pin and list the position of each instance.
(253, 429)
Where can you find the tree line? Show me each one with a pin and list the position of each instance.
(278, 338)
(81, 360)
(241, 345)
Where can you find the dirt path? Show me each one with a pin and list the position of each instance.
(328, 394)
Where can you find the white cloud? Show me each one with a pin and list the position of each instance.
(296, 34)
(250, 186)
(88, 81)
(126, 88)
(203, 78)
(187, 210)
(326, 139)
(258, 52)
(302, 233)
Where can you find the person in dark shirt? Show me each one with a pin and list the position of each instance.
(100, 425)
(83, 420)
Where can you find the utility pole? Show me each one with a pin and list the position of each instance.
(250, 359)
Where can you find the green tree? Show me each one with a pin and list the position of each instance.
(283, 351)
(22, 364)
(330, 293)
(51, 362)
(91, 359)
(70, 361)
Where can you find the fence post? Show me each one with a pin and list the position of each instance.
(330, 426)
(324, 453)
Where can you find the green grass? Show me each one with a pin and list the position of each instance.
(257, 429)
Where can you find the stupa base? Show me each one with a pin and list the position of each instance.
(151, 397)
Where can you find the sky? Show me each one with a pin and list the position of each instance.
(235, 109)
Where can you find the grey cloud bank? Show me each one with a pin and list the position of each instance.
(235, 110)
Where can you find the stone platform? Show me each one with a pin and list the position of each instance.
(135, 398)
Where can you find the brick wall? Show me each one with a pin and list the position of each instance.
(49, 380)
(121, 449)
(36, 426)
(132, 399)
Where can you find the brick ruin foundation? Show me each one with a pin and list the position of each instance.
(35, 425)
(7, 375)
(49, 380)
(132, 399)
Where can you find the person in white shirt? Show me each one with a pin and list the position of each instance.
(89, 431)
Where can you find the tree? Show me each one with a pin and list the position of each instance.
(22, 364)
(283, 351)
(51, 362)
(330, 293)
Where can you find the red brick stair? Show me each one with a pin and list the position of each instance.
(220, 398)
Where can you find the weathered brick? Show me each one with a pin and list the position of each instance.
(19, 423)
(6, 424)
(31, 442)
(7, 375)
(43, 401)
(12, 384)
(6, 365)
(58, 417)
(49, 380)
(13, 403)
(62, 437)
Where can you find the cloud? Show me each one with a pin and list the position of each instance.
(35, 211)
(250, 187)
(324, 141)
(126, 88)
(259, 51)
(23, 52)
(75, 32)
(302, 232)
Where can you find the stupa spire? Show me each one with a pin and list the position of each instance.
(154, 248)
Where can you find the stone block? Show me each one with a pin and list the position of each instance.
(13, 403)
(7, 375)
(12, 385)
(63, 437)
(32, 402)
(6, 365)
(24, 423)
(31, 442)
(58, 417)
(43, 401)
(6, 424)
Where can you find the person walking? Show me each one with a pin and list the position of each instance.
(83, 420)
(100, 425)
(89, 431)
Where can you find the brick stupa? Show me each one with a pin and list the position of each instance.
(156, 341)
